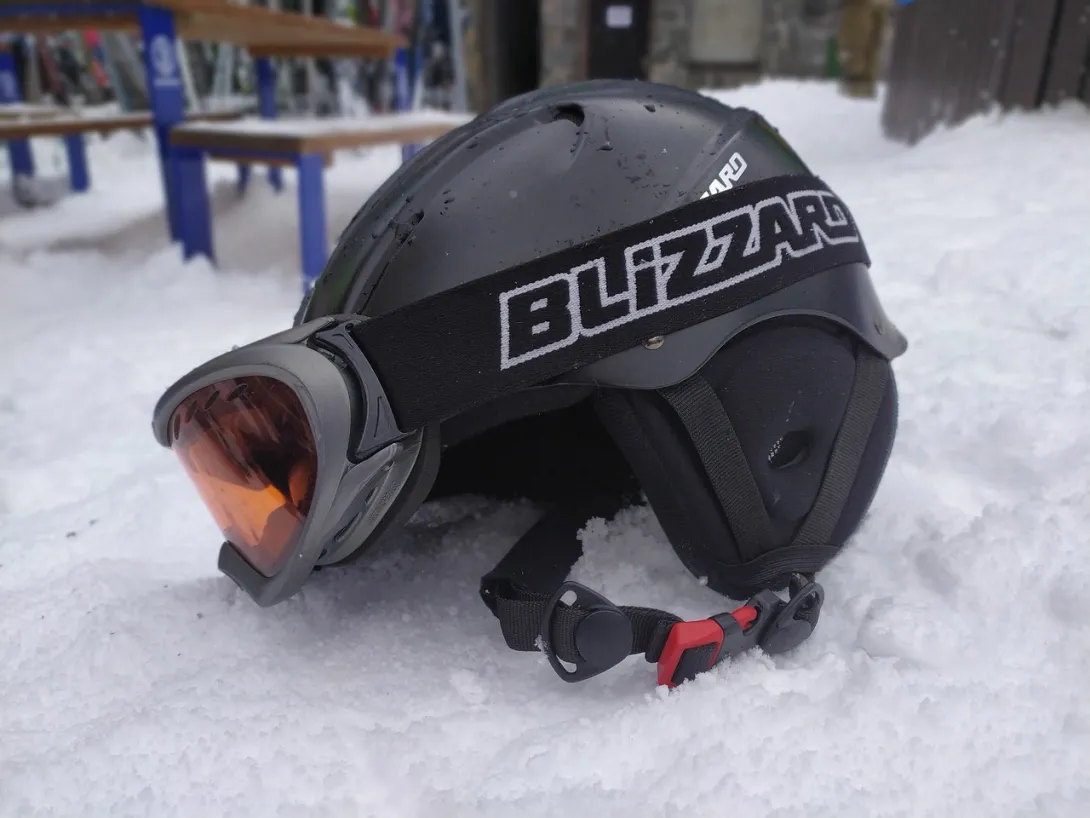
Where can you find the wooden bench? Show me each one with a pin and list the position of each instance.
(27, 122)
(307, 145)
(23, 111)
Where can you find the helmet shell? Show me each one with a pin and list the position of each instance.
(553, 168)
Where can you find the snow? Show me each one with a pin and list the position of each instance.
(302, 128)
(949, 672)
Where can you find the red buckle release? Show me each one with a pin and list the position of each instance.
(694, 647)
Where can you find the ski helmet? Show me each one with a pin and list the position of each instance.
(593, 294)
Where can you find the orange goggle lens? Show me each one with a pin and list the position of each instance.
(247, 446)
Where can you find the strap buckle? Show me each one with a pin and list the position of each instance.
(796, 618)
(603, 638)
(765, 621)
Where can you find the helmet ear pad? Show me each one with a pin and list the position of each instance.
(785, 387)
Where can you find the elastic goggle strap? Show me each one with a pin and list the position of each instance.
(526, 325)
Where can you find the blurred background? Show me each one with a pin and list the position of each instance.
(474, 53)
(466, 55)
(950, 674)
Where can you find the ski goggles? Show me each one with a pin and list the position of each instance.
(306, 446)
(291, 447)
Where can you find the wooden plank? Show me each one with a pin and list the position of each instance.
(290, 48)
(73, 3)
(964, 99)
(936, 45)
(916, 105)
(226, 141)
(271, 161)
(68, 125)
(1029, 54)
(310, 137)
(988, 25)
(296, 144)
(277, 23)
(264, 22)
(914, 96)
(41, 24)
(1068, 64)
(223, 115)
(65, 126)
(994, 68)
(243, 32)
(408, 135)
(279, 33)
(908, 98)
(963, 25)
(898, 95)
(23, 111)
(1085, 96)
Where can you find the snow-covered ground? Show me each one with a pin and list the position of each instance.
(950, 675)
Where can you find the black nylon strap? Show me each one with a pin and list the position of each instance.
(528, 324)
(543, 557)
(792, 559)
(720, 452)
(519, 588)
(520, 622)
(868, 390)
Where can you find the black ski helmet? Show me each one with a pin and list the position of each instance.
(758, 436)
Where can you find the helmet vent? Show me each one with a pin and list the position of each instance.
(569, 111)
(789, 450)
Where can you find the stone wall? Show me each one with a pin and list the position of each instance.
(476, 56)
(796, 36)
(795, 40)
(669, 42)
(562, 41)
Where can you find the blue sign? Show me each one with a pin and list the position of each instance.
(165, 93)
(161, 64)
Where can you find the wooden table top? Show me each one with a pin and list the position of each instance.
(65, 122)
(263, 32)
(316, 135)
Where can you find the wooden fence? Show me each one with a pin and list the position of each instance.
(952, 59)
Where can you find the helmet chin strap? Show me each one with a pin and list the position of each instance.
(529, 593)
(539, 609)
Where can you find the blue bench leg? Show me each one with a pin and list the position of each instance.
(195, 213)
(19, 154)
(312, 235)
(266, 101)
(168, 167)
(78, 175)
(21, 157)
(409, 151)
(276, 179)
(243, 178)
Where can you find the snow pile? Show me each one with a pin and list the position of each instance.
(949, 673)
